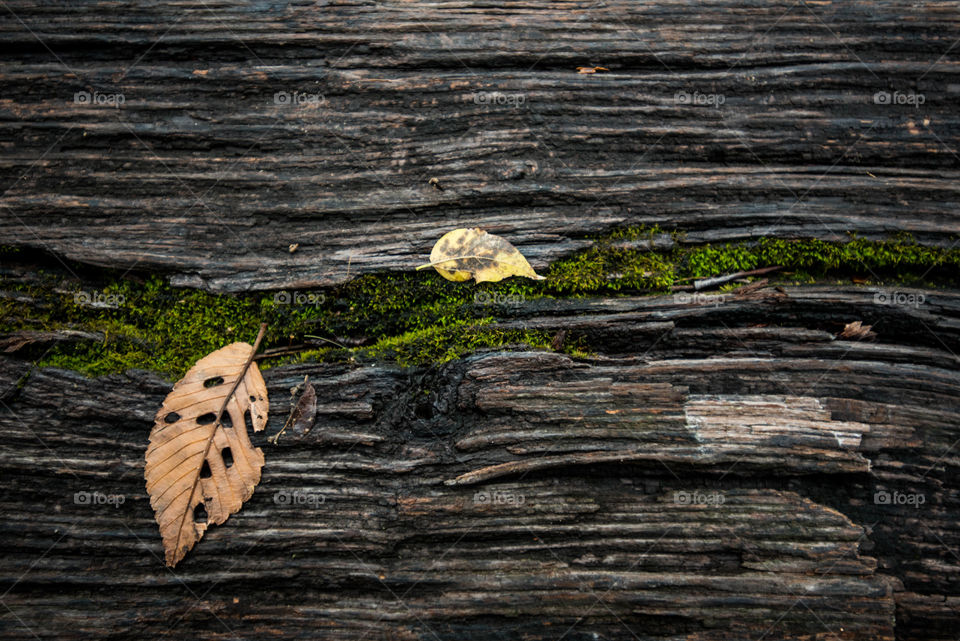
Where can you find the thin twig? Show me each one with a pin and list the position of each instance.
(714, 281)
(321, 338)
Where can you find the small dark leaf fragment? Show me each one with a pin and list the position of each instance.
(303, 414)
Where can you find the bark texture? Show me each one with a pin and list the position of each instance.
(718, 470)
(728, 120)
(713, 480)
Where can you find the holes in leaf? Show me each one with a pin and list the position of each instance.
(205, 472)
(200, 514)
(213, 382)
(172, 417)
(206, 419)
(226, 420)
(227, 456)
(253, 399)
(247, 421)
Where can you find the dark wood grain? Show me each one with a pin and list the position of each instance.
(656, 493)
(715, 470)
(200, 175)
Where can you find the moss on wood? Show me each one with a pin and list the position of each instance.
(413, 318)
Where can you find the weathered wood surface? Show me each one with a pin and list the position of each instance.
(712, 473)
(713, 480)
(199, 174)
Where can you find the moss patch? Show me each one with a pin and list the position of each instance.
(441, 344)
(901, 259)
(412, 318)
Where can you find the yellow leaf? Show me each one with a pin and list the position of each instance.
(463, 254)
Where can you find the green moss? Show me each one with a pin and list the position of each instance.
(415, 317)
(710, 261)
(901, 259)
(441, 344)
(147, 325)
(609, 267)
(411, 318)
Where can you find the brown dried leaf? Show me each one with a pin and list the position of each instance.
(857, 330)
(303, 413)
(200, 453)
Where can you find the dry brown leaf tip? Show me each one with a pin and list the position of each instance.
(200, 453)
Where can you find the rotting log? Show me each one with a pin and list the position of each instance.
(203, 175)
(719, 468)
(722, 482)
